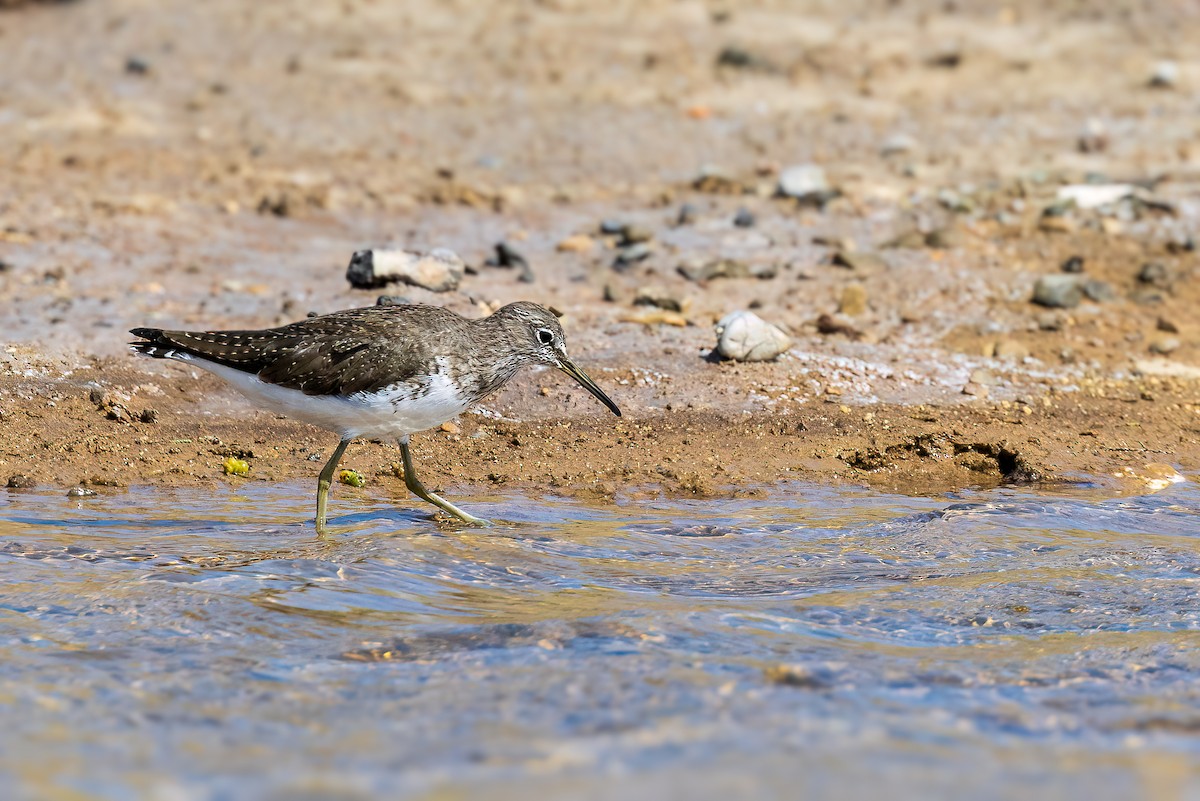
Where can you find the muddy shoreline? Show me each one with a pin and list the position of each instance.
(223, 178)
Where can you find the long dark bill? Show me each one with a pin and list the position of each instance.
(568, 367)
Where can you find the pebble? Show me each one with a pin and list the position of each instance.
(507, 256)
(1093, 138)
(655, 317)
(1153, 273)
(439, 270)
(1166, 325)
(1073, 264)
(392, 300)
(687, 214)
(896, 144)
(660, 298)
(1164, 344)
(805, 182)
(149, 416)
(628, 256)
(744, 336)
(1165, 75)
(1010, 349)
(1050, 321)
(865, 262)
(744, 218)
(1099, 291)
(853, 302)
(20, 481)
(612, 227)
(726, 268)
(135, 65)
(579, 243)
(80, 492)
(975, 390)
(1058, 291)
(635, 234)
(984, 377)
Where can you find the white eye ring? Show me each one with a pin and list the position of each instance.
(545, 336)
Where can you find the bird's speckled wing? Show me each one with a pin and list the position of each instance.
(336, 354)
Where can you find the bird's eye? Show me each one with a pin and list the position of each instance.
(544, 336)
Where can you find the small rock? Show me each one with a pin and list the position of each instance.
(655, 317)
(1099, 291)
(1154, 273)
(807, 183)
(853, 302)
(1165, 75)
(897, 144)
(392, 300)
(580, 243)
(943, 239)
(135, 65)
(865, 262)
(20, 481)
(634, 234)
(439, 270)
(1089, 196)
(1010, 349)
(1093, 138)
(1073, 264)
(741, 58)
(1167, 325)
(628, 256)
(975, 390)
(1163, 345)
(744, 336)
(687, 214)
(508, 257)
(660, 298)
(451, 427)
(80, 492)
(984, 377)
(726, 268)
(1050, 321)
(149, 416)
(612, 227)
(1058, 291)
(838, 324)
(744, 218)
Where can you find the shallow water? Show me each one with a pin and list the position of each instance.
(187, 644)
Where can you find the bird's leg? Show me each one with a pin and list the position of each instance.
(325, 480)
(417, 488)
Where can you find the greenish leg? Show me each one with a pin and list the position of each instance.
(417, 488)
(324, 481)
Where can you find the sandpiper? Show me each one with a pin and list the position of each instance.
(377, 372)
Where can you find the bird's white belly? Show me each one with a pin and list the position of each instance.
(393, 411)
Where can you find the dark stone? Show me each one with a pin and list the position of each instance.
(1154, 273)
(628, 256)
(507, 256)
(392, 300)
(1099, 291)
(361, 272)
(135, 65)
(612, 227)
(1074, 264)
(744, 218)
(20, 481)
(687, 216)
(149, 416)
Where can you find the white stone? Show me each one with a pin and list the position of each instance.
(803, 180)
(746, 337)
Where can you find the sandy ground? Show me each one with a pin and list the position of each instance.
(214, 166)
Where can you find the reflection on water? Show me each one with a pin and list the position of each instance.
(178, 645)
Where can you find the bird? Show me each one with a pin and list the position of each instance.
(377, 372)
